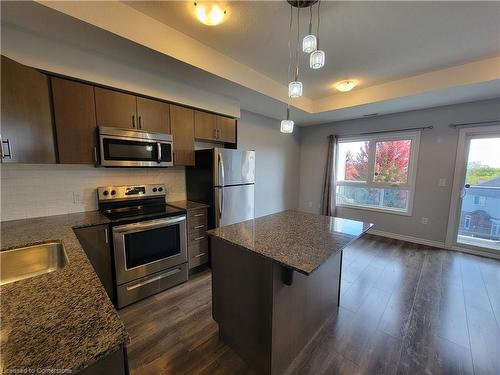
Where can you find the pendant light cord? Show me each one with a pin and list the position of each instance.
(317, 31)
(298, 44)
(310, 19)
(289, 56)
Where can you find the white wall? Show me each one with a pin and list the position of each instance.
(277, 162)
(43, 190)
(436, 160)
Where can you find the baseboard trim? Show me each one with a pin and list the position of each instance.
(437, 244)
(420, 241)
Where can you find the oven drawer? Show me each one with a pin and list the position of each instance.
(151, 284)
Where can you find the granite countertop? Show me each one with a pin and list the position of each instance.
(63, 319)
(298, 240)
(188, 205)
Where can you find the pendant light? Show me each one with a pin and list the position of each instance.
(317, 57)
(295, 87)
(287, 125)
(309, 42)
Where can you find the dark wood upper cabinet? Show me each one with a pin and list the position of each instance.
(182, 127)
(27, 130)
(205, 126)
(226, 128)
(153, 115)
(116, 109)
(75, 119)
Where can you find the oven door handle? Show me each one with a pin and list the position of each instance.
(151, 224)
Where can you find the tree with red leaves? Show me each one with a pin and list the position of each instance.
(391, 162)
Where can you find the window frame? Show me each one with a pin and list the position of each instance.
(410, 184)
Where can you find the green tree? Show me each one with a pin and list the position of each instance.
(477, 172)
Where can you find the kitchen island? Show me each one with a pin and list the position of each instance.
(276, 281)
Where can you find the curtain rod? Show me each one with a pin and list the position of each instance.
(386, 131)
(478, 123)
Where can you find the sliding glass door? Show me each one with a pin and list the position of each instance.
(476, 220)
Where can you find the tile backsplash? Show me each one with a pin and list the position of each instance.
(43, 190)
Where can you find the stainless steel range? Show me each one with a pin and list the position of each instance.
(148, 239)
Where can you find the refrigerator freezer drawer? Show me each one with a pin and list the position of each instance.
(233, 204)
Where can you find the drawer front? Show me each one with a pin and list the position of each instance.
(198, 214)
(197, 247)
(198, 260)
(197, 235)
(198, 226)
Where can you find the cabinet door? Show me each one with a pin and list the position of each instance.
(95, 243)
(182, 126)
(154, 116)
(115, 108)
(226, 129)
(27, 131)
(74, 115)
(205, 126)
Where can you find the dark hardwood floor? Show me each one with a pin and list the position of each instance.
(405, 309)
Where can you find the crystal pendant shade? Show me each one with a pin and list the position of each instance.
(309, 43)
(295, 89)
(317, 59)
(286, 126)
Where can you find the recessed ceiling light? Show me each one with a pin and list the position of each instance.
(209, 14)
(347, 85)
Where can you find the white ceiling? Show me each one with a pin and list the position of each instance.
(68, 25)
(374, 42)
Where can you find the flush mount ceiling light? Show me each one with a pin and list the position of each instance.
(209, 14)
(346, 85)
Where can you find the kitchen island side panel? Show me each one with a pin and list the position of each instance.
(300, 310)
(242, 284)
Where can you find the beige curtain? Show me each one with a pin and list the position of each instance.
(328, 204)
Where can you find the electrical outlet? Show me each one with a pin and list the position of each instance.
(442, 182)
(425, 220)
(77, 198)
(309, 204)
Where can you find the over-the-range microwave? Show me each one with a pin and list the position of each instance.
(134, 148)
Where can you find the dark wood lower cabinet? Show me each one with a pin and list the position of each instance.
(115, 363)
(27, 129)
(197, 237)
(267, 322)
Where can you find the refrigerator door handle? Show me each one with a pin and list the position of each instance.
(221, 202)
(221, 170)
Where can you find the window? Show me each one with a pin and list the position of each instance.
(495, 229)
(480, 200)
(377, 172)
(467, 221)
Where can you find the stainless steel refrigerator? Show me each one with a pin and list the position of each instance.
(224, 179)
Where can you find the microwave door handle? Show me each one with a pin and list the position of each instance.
(158, 147)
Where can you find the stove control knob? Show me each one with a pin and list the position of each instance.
(113, 192)
(154, 190)
(105, 192)
(160, 189)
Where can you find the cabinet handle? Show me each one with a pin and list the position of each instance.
(198, 226)
(106, 235)
(95, 155)
(9, 150)
(199, 238)
(199, 255)
(133, 121)
(140, 122)
(198, 215)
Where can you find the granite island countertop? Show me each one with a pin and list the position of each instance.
(297, 240)
(63, 319)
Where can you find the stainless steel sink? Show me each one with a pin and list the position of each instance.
(25, 262)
